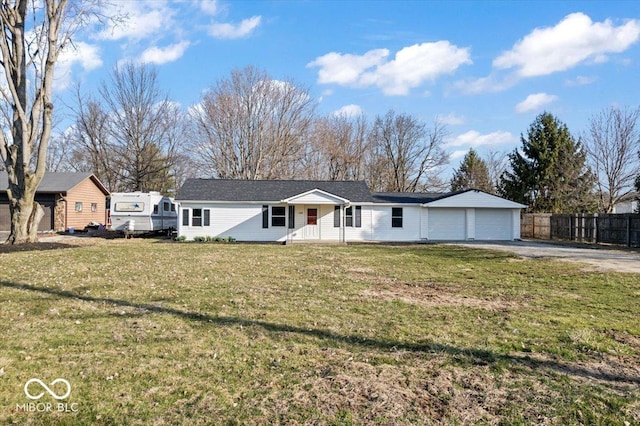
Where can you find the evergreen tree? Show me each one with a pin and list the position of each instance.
(549, 172)
(473, 173)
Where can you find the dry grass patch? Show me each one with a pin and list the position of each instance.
(153, 332)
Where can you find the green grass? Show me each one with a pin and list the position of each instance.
(154, 332)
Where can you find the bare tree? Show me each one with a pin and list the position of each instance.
(142, 125)
(33, 35)
(338, 148)
(252, 127)
(612, 145)
(497, 163)
(90, 144)
(405, 154)
(59, 153)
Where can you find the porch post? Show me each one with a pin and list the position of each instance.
(343, 221)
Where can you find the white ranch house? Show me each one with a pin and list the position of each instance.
(298, 210)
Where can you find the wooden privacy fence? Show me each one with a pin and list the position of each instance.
(618, 229)
(536, 225)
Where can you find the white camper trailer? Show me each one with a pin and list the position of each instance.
(142, 212)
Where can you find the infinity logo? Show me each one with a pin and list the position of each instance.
(47, 388)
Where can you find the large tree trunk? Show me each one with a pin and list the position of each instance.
(26, 215)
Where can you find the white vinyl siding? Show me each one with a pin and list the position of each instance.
(382, 230)
(242, 222)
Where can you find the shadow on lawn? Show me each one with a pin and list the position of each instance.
(473, 356)
(39, 246)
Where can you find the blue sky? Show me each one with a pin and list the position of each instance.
(486, 68)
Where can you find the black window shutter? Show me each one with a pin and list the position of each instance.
(336, 217)
(292, 217)
(265, 216)
(358, 216)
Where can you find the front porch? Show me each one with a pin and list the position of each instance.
(316, 217)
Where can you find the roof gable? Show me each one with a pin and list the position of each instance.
(57, 182)
(316, 196)
(473, 198)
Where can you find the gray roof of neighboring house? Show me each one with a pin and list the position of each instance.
(56, 182)
(268, 190)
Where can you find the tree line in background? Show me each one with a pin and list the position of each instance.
(247, 126)
(250, 126)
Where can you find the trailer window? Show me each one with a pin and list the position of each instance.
(128, 206)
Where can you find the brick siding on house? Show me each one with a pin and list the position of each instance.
(86, 192)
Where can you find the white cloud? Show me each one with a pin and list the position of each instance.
(473, 138)
(410, 68)
(580, 81)
(85, 54)
(535, 101)
(79, 53)
(351, 110)
(572, 41)
(347, 69)
(231, 31)
(162, 55)
(210, 7)
(491, 83)
(142, 19)
(458, 154)
(451, 119)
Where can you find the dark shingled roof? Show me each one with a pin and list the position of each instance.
(55, 182)
(268, 190)
(414, 197)
(406, 197)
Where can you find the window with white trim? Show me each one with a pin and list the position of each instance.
(396, 217)
(196, 217)
(278, 216)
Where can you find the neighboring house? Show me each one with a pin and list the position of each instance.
(70, 200)
(298, 210)
(627, 204)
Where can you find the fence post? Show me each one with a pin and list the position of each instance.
(533, 226)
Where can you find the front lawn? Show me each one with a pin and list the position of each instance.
(155, 332)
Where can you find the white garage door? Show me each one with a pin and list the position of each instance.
(493, 224)
(447, 224)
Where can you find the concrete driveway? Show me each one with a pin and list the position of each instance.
(606, 259)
